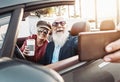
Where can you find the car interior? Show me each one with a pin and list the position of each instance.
(72, 69)
(14, 69)
(76, 28)
(107, 25)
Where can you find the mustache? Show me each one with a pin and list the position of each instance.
(59, 29)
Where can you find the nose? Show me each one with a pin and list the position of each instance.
(59, 26)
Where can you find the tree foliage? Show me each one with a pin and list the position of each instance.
(43, 11)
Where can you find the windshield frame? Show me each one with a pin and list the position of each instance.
(11, 34)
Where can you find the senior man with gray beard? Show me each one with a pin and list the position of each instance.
(63, 44)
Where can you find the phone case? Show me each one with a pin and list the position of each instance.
(91, 45)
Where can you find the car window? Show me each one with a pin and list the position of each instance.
(4, 22)
(29, 24)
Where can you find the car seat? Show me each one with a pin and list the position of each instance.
(107, 25)
(82, 26)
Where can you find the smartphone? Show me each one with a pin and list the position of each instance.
(91, 45)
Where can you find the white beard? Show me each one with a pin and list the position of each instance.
(60, 38)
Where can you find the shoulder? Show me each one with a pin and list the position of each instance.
(51, 43)
(73, 40)
(73, 37)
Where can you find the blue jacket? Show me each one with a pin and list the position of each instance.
(69, 49)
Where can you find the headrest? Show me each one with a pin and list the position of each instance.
(78, 27)
(107, 25)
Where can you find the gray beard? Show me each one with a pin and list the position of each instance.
(60, 38)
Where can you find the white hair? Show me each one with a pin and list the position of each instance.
(60, 38)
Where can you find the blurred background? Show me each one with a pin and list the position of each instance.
(94, 11)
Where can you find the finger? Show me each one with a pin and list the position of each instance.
(114, 57)
(26, 52)
(26, 48)
(113, 46)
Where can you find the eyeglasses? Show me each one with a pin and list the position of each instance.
(42, 30)
(62, 23)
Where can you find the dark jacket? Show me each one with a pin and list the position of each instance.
(69, 49)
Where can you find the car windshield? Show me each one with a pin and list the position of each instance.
(47, 14)
(28, 24)
(5, 19)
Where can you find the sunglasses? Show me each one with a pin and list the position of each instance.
(62, 23)
(42, 31)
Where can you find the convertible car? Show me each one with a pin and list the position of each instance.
(15, 70)
(12, 12)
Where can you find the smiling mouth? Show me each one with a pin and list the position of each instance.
(59, 31)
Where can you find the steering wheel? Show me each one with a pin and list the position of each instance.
(18, 53)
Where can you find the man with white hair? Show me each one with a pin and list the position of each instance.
(63, 44)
